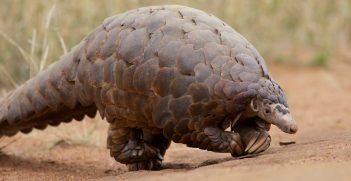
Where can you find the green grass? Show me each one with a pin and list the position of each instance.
(321, 59)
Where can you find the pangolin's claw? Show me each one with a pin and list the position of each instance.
(251, 142)
(258, 142)
(264, 146)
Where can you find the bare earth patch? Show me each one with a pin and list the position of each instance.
(319, 98)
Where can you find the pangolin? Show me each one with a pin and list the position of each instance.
(157, 74)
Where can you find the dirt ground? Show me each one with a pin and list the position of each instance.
(319, 99)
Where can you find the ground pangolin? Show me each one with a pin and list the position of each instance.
(158, 74)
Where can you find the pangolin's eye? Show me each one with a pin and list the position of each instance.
(267, 111)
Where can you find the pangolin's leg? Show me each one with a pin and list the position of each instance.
(156, 138)
(221, 141)
(214, 139)
(255, 137)
(128, 146)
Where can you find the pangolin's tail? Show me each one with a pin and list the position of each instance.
(53, 96)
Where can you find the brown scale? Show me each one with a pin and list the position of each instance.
(158, 74)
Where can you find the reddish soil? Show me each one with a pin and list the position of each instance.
(319, 99)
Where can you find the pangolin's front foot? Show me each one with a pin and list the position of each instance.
(223, 141)
(255, 138)
(214, 139)
(256, 141)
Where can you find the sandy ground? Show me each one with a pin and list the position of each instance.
(319, 99)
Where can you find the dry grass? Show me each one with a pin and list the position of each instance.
(35, 33)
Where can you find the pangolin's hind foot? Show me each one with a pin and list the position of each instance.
(138, 155)
(150, 164)
(128, 146)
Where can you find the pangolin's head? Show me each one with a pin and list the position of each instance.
(274, 113)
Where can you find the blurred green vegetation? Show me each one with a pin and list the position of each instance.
(35, 33)
(321, 59)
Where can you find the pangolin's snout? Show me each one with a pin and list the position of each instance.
(287, 124)
(292, 129)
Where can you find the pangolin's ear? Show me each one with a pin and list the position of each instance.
(253, 105)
